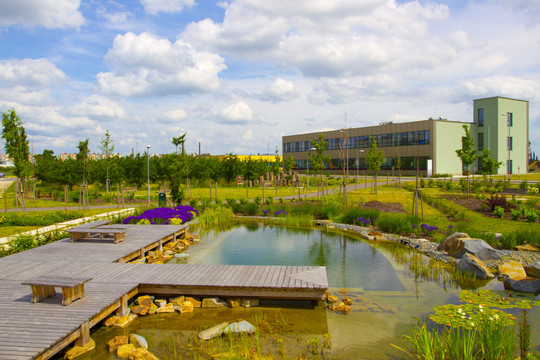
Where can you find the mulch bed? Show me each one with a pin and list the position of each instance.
(385, 207)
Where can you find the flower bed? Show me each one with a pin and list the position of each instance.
(164, 216)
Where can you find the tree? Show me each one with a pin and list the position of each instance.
(489, 164)
(467, 153)
(288, 164)
(276, 165)
(318, 160)
(181, 140)
(397, 163)
(107, 147)
(47, 167)
(16, 146)
(375, 159)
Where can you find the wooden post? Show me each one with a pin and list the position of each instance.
(122, 190)
(65, 197)
(117, 195)
(84, 334)
(262, 184)
(5, 199)
(216, 190)
(210, 191)
(123, 310)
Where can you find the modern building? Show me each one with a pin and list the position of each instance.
(497, 121)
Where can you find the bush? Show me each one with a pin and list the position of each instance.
(531, 215)
(498, 211)
(397, 223)
(524, 185)
(500, 201)
(516, 214)
(251, 209)
(352, 215)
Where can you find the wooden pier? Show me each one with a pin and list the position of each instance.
(40, 330)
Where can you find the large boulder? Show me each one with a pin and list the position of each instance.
(77, 351)
(123, 351)
(138, 341)
(452, 242)
(512, 270)
(477, 247)
(524, 286)
(213, 332)
(241, 327)
(116, 342)
(533, 270)
(213, 302)
(471, 264)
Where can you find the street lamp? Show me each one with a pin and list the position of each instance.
(148, 172)
(358, 163)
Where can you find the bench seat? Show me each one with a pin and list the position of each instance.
(114, 233)
(72, 287)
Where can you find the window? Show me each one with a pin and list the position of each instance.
(509, 143)
(509, 119)
(480, 141)
(480, 117)
(480, 164)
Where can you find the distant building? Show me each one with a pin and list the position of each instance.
(497, 121)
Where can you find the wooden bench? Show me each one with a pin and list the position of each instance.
(115, 234)
(512, 191)
(72, 288)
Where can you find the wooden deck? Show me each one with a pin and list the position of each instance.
(40, 330)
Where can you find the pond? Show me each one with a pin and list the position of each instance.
(387, 295)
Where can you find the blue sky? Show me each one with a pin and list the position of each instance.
(237, 75)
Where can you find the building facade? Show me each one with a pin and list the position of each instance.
(430, 143)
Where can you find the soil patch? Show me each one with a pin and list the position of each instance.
(385, 207)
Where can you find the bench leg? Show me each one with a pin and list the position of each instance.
(71, 294)
(39, 292)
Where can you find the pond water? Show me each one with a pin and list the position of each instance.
(387, 297)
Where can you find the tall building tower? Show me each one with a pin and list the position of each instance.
(502, 126)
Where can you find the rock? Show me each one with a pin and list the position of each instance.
(181, 255)
(124, 320)
(213, 302)
(168, 308)
(233, 303)
(331, 307)
(471, 264)
(177, 301)
(168, 253)
(477, 247)
(367, 237)
(527, 247)
(524, 286)
(116, 342)
(142, 354)
(152, 310)
(250, 302)
(186, 307)
(347, 300)
(144, 300)
(110, 321)
(140, 310)
(374, 233)
(79, 350)
(331, 298)
(138, 341)
(160, 302)
(196, 303)
(343, 308)
(451, 242)
(213, 332)
(533, 270)
(513, 270)
(241, 327)
(124, 351)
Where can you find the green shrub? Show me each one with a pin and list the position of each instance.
(524, 185)
(257, 200)
(498, 211)
(269, 200)
(251, 209)
(352, 215)
(531, 215)
(516, 214)
(449, 185)
(144, 222)
(396, 223)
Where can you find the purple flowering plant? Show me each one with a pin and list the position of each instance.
(162, 216)
(364, 222)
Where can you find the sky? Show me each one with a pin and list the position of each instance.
(237, 75)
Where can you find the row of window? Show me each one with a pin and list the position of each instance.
(509, 118)
(509, 142)
(359, 142)
(407, 163)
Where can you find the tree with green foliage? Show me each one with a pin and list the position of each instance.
(319, 160)
(489, 164)
(374, 159)
(467, 153)
(107, 147)
(48, 167)
(181, 140)
(288, 164)
(231, 167)
(82, 156)
(16, 146)
(397, 163)
(276, 165)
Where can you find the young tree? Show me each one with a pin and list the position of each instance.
(288, 164)
(374, 159)
(467, 153)
(489, 164)
(16, 147)
(181, 140)
(318, 160)
(107, 147)
(276, 165)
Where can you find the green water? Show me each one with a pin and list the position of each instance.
(387, 296)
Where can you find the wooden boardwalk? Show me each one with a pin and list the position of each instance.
(40, 330)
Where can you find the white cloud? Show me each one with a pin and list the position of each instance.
(30, 72)
(170, 6)
(98, 106)
(26, 96)
(147, 65)
(248, 135)
(48, 13)
(280, 90)
(238, 113)
(503, 86)
(173, 116)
